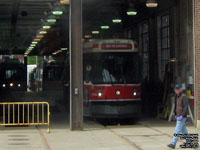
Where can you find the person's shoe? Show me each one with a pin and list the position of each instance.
(171, 146)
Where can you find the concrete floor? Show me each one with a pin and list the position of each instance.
(149, 134)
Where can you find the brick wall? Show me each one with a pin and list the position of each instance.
(197, 55)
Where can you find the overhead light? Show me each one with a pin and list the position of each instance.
(57, 12)
(57, 9)
(116, 20)
(151, 3)
(87, 36)
(34, 42)
(30, 49)
(64, 49)
(95, 32)
(131, 12)
(43, 32)
(37, 40)
(33, 45)
(64, 2)
(173, 60)
(40, 36)
(46, 27)
(105, 27)
(56, 52)
(51, 20)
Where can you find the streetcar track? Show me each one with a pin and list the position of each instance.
(156, 130)
(170, 136)
(125, 139)
(44, 140)
(134, 144)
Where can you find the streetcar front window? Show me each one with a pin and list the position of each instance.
(12, 74)
(111, 68)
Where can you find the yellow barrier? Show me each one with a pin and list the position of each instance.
(24, 113)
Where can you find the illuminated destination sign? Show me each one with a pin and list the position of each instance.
(116, 46)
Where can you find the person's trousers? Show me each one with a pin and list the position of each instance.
(180, 129)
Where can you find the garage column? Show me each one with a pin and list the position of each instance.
(76, 80)
(197, 60)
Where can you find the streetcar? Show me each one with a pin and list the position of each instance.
(13, 82)
(49, 76)
(111, 73)
(49, 82)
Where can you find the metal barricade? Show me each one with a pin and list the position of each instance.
(24, 113)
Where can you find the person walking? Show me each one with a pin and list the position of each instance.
(181, 111)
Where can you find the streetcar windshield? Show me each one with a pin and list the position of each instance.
(15, 74)
(111, 68)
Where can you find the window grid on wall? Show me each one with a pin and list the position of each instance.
(165, 42)
(144, 41)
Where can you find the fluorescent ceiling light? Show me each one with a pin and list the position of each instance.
(30, 47)
(151, 3)
(46, 27)
(87, 36)
(37, 40)
(34, 42)
(57, 12)
(131, 12)
(40, 36)
(116, 20)
(95, 32)
(64, 49)
(64, 2)
(105, 27)
(33, 45)
(43, 32)
(51, 20)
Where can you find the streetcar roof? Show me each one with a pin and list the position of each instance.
(110, 45)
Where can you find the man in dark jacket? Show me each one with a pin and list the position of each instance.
(181, 111)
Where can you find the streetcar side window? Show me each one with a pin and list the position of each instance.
(53, 73)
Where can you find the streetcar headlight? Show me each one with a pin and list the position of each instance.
(11, 84)
(19, 85)
(100, 94)
(4, 85)
(118, 92)
(134, 93)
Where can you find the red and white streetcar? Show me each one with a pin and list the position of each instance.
(112, 86)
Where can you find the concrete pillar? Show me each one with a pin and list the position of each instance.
(26, 64)
(76, 80)
(184, 39)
